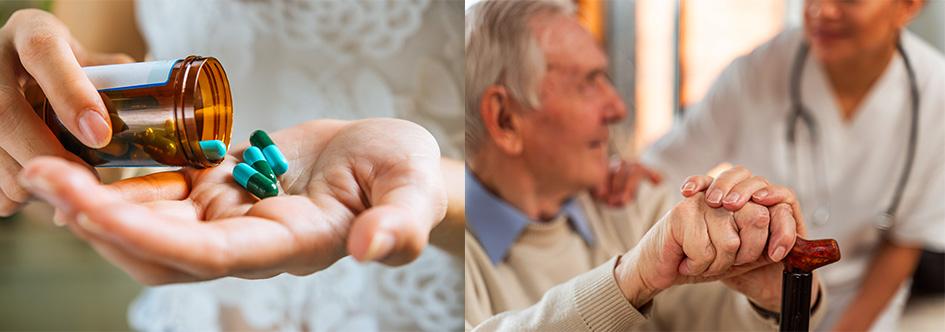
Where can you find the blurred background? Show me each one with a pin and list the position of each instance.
(49, 279)
(666, 53)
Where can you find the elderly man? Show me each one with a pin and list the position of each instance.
(542, 255)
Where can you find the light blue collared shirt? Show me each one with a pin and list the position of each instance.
(497, 224)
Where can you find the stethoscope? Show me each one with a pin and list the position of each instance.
(822, 211)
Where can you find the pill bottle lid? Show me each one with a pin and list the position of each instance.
(204, 109)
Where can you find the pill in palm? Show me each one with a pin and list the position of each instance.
(272, 153)
(254, 182)
(254, 157)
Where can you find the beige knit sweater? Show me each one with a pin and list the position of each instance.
(551, 280)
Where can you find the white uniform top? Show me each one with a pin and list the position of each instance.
(743, 120)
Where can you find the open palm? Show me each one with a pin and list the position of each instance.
(369, 188)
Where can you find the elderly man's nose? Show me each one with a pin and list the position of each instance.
(823, 9)
(615, 109)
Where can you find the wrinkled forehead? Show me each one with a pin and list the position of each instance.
(566, 45)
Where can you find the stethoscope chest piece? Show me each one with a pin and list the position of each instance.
(821, 215)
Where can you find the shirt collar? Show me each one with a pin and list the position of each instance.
(497, 224)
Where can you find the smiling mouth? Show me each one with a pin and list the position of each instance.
(827, 35)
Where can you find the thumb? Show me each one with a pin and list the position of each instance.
(397, 229)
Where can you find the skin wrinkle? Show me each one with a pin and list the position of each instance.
(11, 128)
(717, 216)
(199, 194)
(329, 182)
(10, 187)
(364, 178)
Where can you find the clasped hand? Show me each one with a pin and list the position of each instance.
(735, 228)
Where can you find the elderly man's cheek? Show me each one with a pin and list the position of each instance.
(596, 165)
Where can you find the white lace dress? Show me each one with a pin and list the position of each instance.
(290, 61)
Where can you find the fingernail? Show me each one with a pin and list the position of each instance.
(778, 254)
(57, 220)
(688, 187)
(761, 194)
(715, 197)
(380, 247)
(94, 128)
(732, 198)
(88, 225)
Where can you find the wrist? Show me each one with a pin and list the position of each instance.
(631, 283)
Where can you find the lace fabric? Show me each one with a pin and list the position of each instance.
(290, 61)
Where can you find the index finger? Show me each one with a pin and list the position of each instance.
(171, 185)
(783, 232)
(43, 46)
(724, 183)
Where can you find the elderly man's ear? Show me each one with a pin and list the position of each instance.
(502, 119)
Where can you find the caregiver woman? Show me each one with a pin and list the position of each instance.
(850, 111)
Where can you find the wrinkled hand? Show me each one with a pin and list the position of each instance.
(719, 236)
(622, 181)
(737, 189)
(369, 188)
(37, 49)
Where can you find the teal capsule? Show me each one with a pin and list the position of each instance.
(269, 149)
(254, 182)
(254, 157)
(213, 149)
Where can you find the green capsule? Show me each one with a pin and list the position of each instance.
(260, 139)
(214, 149)
(254, 157)
(254, 182)
(273, 155)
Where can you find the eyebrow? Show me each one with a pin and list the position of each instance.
(595, 72)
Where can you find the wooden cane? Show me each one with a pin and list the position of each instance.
(804, 258)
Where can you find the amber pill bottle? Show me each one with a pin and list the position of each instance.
(160, 111)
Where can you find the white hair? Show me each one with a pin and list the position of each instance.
(501, 49)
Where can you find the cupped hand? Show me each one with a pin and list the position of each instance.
(371, 189)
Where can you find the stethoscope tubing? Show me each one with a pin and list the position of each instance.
(800, 113)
